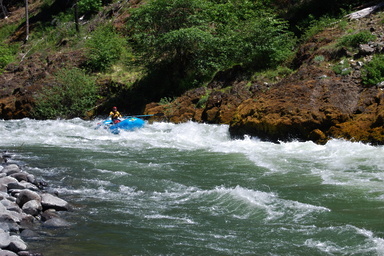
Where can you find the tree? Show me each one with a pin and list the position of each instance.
(3, 9)
(26, 21)
(76, 7)
(193, 39)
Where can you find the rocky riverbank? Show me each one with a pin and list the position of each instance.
(25, 208)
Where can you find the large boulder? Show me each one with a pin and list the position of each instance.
(49, 201)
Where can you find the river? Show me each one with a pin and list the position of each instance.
(189, 189)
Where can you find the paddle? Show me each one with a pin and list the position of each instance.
(157, 114)
(100, 124)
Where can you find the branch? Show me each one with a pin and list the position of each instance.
(365, 12)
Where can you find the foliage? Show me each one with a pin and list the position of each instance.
(7, 30)
(273, 74)
(89, 6)
(166, 100)
(318, 58)
(7, 50)
(105, 47)
(202, 101)
(342, 68)
(7, 55)
(354, 40)
(73, 95)
(193, 39)
(373, 72)
(312, 25)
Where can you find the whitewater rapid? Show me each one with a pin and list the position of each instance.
(206, 193)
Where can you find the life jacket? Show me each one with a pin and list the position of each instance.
(114, 115)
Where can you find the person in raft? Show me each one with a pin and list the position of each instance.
(115, 115)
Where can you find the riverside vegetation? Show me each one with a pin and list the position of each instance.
(278, 70)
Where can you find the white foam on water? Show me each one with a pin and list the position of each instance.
(341, 164)
(372, 245)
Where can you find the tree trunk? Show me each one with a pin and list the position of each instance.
(77, 17)
(26, 21)
(3, 9)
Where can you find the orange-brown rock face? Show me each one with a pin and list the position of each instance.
(312, 104)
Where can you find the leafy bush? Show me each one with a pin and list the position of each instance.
(104, 48)
(74, 94)
(355, 40)
(312, 25)
(89, 6)
(6, 56)
(373, 72)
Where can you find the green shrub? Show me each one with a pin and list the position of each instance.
(354, 40)
(342, 68)
(166, 100)
(72, 96)
(202, 101)
(373, 72)
(6, 56)
(89, 6)
(104, 48)
(312, 25)
(7, 30)
(319, 58)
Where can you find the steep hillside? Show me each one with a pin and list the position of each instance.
(317, 95)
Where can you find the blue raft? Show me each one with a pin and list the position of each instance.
(129, 124)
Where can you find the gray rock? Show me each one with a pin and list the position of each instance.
(3, 195)
(31, 178)
(32, 207)
(27, 195)
(9, 227)
(12, 216)
(10, 206)
(49, 201)
(49, 214)
(5, 239)
(10, 169)
(20, 176)
(7, 253)
(26, 253)
(15, 185)
(56, 223)
(29, 186)
(17, 244)
(366, 49)
(29, 234)
(6, 180)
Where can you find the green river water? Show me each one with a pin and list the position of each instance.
(189, 189)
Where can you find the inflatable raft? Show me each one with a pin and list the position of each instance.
(129, 124)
